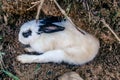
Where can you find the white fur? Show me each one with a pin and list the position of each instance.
(70, 45)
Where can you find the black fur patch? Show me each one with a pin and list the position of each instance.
(27, 34)
(33, 53)
(51, 20)
(49, 27)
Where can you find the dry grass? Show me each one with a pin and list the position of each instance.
(86, 14)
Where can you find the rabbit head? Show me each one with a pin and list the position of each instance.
(28, 32)
(31, 31)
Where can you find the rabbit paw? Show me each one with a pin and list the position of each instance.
(24, 58)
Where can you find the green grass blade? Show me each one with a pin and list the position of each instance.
(37, 67)
(10, 75)
(1, 37)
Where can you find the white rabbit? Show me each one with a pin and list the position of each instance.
(58, 40)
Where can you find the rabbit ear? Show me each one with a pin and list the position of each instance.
(51, 19)
(51, 28)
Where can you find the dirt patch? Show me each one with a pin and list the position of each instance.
(106, 66)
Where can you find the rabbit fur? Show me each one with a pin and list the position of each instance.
(67, 45)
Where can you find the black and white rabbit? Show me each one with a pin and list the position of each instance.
(58, 41)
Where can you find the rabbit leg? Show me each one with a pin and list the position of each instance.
(56, 56)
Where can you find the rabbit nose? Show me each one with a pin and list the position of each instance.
(26, 34)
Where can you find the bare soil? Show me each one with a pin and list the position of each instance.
(106, 65)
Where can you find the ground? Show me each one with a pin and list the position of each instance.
(106, 65)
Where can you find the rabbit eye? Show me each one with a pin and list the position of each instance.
(27, 34)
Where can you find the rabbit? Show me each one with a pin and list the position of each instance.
(58, 40)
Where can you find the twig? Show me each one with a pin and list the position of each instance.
(104, 22)
(39, 8)
(35, 4)
(63, 12)
(114, 3)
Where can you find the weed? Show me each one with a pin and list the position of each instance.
(37, 67)
(10, 74)
(3, 70)
(1, 37)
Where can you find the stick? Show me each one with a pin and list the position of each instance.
(63, 12)
(35, 4)
(104, 22)
(39, 8)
